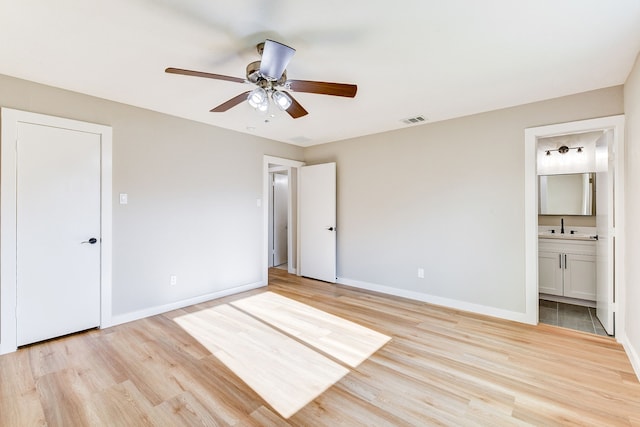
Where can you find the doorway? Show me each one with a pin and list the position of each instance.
(279, 218)
(49, 252)
(273, 166)
(610, 246)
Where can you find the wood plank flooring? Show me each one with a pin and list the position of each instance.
(441, 367)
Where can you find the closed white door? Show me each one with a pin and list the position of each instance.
(318, 222)
(58, 232)
(280, 218)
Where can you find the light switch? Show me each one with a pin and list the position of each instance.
(124, 198)
(258, 202)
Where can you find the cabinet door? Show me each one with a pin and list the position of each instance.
(549, 273)
(580, 277)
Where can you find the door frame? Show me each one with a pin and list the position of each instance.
(292, 213)
(8, 218)
(615, 123)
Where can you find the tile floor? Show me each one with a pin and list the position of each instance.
(570, 316)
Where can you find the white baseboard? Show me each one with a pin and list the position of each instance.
(631, 353)
(431, 299)
(152, 311)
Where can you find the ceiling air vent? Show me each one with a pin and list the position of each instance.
(414, 120)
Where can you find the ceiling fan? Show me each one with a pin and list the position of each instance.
(270, 77)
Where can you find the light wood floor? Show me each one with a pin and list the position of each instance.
(441, 367)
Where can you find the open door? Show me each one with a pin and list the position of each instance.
(318, 222)
(605, 255)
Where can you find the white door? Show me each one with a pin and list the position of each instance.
(280, 218)
(58, 232)
(605, 255)
(318, 221)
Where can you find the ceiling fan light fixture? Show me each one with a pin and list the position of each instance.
(282, 100)
(263, 107)
(257, 98)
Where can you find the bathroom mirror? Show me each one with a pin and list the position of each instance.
(571, 194)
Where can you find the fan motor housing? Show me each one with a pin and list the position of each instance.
(254, 76)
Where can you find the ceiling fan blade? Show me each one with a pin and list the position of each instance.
(295, 110)
(203, 74)
(323, 88)
(275, 58)
(231, 103)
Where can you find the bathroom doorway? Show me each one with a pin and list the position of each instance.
(605, 155)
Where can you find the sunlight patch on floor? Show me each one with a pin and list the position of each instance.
(258, 338)
(344, 340)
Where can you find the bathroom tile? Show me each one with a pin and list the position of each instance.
(600, 330)
(570, 316)
(567, 321)
(585, 326)
(596, 323)
(548, 315)
(574, 315)
(577, 309)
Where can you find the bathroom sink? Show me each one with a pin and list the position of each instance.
(567, 236)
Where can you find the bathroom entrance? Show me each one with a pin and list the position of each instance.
(573, 189)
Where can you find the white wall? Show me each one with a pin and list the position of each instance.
(632, 215)
(192, 198)
(447, 197)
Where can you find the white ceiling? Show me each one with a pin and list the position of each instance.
(439, 59)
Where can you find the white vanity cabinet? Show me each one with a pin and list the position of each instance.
(567, 268)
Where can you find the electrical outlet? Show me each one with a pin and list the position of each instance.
(173, 280)
(421, 273)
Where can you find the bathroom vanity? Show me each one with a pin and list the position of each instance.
(567, 265)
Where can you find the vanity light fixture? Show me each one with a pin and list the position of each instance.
(564, 150)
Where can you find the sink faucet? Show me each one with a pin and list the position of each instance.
(561, 225)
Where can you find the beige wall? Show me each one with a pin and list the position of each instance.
(447, 197)
(192, 197)
(632, 211)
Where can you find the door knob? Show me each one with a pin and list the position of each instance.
(330, 228)
(91, 241)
